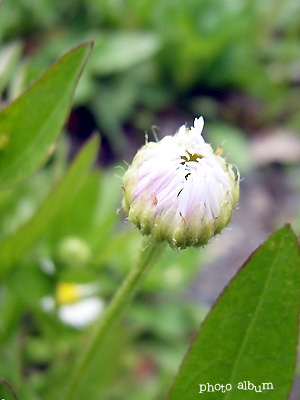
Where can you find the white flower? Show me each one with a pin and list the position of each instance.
(81, 313)
(179, 190)
(74, 308)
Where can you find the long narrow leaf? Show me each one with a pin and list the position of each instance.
(29, 127)
(13, 248)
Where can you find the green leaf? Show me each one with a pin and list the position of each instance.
(14, 247)
(31, 124)
(77, 219)
(251, 333)
(121, 51)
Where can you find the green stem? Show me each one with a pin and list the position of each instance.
(149, 252)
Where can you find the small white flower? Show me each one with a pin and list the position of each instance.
(81, 313)
(179, 190)
(72, 306)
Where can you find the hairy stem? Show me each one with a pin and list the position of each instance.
(149, 253)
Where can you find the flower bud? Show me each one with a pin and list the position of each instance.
(179, 190)
(73, 252)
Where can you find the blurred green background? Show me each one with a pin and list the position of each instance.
(155, 65)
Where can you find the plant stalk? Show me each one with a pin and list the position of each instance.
(148, 254)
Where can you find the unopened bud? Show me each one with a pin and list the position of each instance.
(179, 190)
(73, 251)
